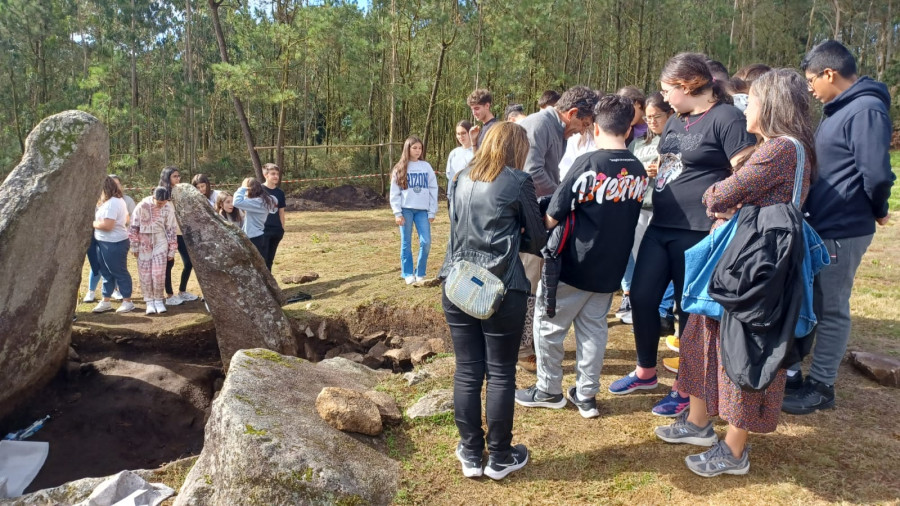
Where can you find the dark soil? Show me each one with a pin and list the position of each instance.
(323, 198)
(122, 406)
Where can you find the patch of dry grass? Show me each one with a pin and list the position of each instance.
(844, 455)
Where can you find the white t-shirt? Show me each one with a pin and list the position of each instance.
(457, 161)
(212, 198)
(114, 209)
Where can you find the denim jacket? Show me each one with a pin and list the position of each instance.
(815, 258)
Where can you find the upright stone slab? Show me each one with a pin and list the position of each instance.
(266, 444)
(242, 295)
(46, 209)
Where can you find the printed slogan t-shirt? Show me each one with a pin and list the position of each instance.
(692, 160)
(604, 189)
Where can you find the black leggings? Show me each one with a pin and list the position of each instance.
(660, 259)
(185, 273)
(486, 349)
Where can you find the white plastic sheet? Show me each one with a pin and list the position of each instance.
(127, 489)
(20, 462)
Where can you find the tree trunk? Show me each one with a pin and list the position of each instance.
(15, 108)
(191, 129)
(434, 89)
(394, 30)
(238, 107)
(135, 130)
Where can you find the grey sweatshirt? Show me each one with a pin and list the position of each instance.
(545, 136)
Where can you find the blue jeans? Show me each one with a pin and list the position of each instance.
(114, 267)
(667, 306)
(93, 256)
(423, 227)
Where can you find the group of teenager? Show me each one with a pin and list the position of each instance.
(149, 231)
(645, 179)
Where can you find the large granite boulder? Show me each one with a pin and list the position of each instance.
(266, 444)
(46, 209)
(242, 295)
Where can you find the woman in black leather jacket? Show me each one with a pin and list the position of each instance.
(494, 216)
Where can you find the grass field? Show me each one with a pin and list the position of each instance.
(848, 454)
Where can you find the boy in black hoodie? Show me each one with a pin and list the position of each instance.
(847, 198)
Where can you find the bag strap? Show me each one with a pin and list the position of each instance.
(798, 172)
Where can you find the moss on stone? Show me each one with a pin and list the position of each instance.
(249, 429)
(270, 356)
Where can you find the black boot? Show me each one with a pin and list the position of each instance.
(814, 396)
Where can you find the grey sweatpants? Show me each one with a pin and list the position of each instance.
(587, 310)
(831, 296)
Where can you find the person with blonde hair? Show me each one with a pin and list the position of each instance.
(493, 216)
(414, 195)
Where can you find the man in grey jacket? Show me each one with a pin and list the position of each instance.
(547, 132)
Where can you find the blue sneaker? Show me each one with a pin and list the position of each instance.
(631, 383)
(671, 405)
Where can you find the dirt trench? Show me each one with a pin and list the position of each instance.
(126, 400)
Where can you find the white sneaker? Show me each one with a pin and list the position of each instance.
(410, 280)
(89, 297)
(174, 301)
(420, 278)
(126, 307)
(117, 295)
(187, 296)
(160, 306)
(151, 306)
(102, 307)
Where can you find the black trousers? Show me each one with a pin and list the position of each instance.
(486, 349)
(185, 274)
(660, 260)
(272, 238)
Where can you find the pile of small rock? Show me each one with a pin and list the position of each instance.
(375, 350)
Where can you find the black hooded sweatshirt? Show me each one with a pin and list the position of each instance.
(854, 168)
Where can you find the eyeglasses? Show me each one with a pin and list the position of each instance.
(656, 117)
(811, 81)
(665, 93)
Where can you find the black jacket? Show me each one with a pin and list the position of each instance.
(759, 282)
(486, 222)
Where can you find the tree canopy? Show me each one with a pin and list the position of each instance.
(330, 72)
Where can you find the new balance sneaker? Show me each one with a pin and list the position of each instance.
(671, 405)
(671, 364)
(160, 306)
(499, 467)
(625, 307)
(174, 301)
(813, 396)
(684, 432)
(117, 295)
(89, 297)
(631, 383)
(535, 398)
(471, 462)
(528, 363)
(187, 296)
(718, 460)
(673, 342)
(102, 307)
(587, 408)
(125, 307)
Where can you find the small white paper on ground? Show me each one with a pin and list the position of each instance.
(127, 489)
(20, 462)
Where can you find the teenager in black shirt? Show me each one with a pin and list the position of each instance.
(699, 146)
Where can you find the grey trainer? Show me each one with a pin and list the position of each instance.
(683, 431)
(718, 460)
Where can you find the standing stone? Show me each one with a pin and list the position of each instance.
(243, 297)
(46, 209)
